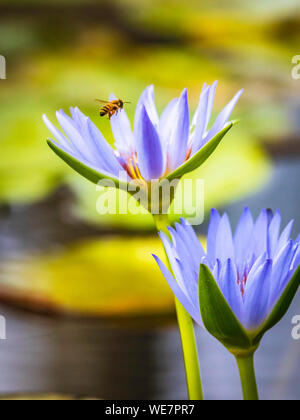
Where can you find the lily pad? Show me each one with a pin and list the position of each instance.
(107, 278)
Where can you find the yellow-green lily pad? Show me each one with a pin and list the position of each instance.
(108, 278)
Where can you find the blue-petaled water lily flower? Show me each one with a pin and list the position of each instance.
(157, 147)
(246, 280)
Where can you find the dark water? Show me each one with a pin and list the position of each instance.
(134, 361)
(92, 358)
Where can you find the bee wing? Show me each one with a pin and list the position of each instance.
(101, 101)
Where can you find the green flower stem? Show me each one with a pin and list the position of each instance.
(248, 380)
(186, 328)
(190, 353)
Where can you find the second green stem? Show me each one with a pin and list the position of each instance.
(248, 380)
(187, 333)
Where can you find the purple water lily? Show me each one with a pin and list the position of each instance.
(156, 147)
(252, 267)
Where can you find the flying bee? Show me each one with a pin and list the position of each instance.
(111, 108)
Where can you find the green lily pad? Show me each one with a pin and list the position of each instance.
(107, 278)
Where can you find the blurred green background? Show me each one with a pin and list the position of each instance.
(56, 253)
(66, 53)
(62, 54)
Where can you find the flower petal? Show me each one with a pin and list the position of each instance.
(200, 126)
(223, 117)
(86, 169)
(229, 287)
(216, 272)
(273, 234)
(177, 149)
(181, 296)
(166, 123)
(146, 100)
(214, 222)
(242, 237)
(208, 111)
(149, 149)
(58, 135)
(201, 156)
(224, 240)
(78, 117)
(281, 267)
(260, 234)
(81, 145)
(195, 116)
(296, 259)
(257, 293)
(183, 249)
(212, 93)
(104, 153)
(190, 236)
(284, 237)
(173, 259)
(123, 135)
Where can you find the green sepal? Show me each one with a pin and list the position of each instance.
(217, 316)
(220, 321)
(84, 170)
(281, 307)
(201, 156)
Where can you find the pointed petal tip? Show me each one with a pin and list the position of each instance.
(155, 257)
(161, 234)
(238, 95)
(184, 94)
(214, 85)
(170, 229)
(45, 119)
(161, 265)
(236, 98)
(214, 213)
(112, 97)
(144, 116)
(184, 222)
